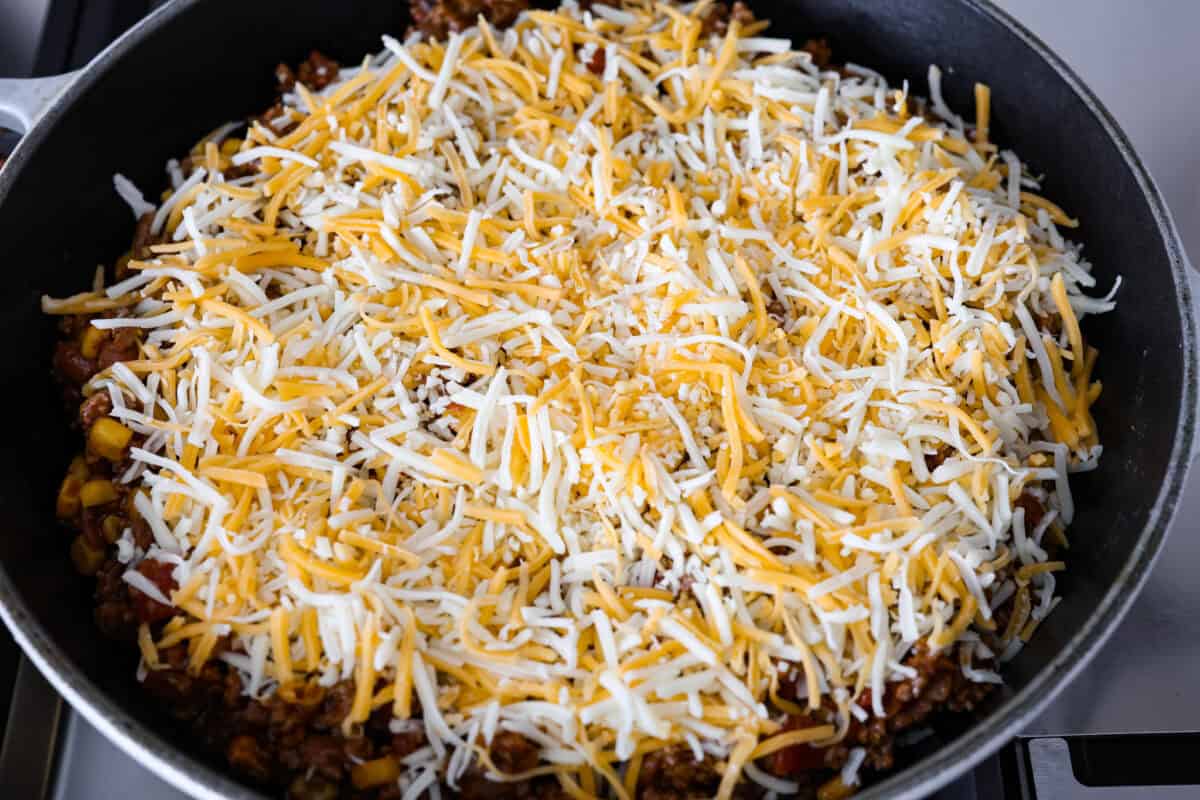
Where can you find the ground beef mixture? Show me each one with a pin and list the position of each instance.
(439, 18)
(294, 746)
(938, 685)
(1034, 510)
(673, 773)
(719, 15)
(293, 742)
(314, 73)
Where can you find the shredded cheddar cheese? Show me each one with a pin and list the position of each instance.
(587, 405)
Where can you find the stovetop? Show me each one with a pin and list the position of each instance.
(1127, 727)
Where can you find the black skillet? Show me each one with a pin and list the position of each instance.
(196, 63)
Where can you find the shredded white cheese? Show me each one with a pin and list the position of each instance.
(516, 388)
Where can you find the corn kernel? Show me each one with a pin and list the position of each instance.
(113, 526)
(78, 468)
(67, 505)
(97, 493)
(109, 438)
(834, 790)
(86, 557)
(375, 773)
(89, 343)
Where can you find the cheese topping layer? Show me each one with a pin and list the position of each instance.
(585, 378)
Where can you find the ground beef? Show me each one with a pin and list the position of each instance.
(324, 755)
(143, 239)
(97, 406)
(513, 753)
(1047, 322)
(475, 785)
(777, 310)
(308, 787)
(408, 742)
(439, 18)
(143, 537)
(317, 71)
(177, 691)
(120, 345)
(71, 365)
(673, 773)
(277, 742)
(271, 118)
(73, 368)
(249, 757)
(1034, 510)
(937, 458)
(115, 615)
(116, 345)
(285, 78)
(719, 15)
(821, 52)
(939, 685)
(91, 526)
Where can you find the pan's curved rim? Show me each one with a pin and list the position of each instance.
(190, 775)
(981, 741)
(175, 766)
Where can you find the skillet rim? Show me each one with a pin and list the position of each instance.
(172, 764)
(191, 775)
(1005, 721)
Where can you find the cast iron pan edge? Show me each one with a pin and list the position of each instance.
(149, 749)
(923, 778)
(981, 741)
(1006, 721)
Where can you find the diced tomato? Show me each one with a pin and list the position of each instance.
(147, 608)
(796, 759)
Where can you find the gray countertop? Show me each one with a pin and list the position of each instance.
(1142, 58)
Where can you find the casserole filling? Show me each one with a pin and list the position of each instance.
(623, 403)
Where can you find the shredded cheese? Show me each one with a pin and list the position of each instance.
(488, 362)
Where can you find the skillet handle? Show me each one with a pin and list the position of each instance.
(24, 100)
